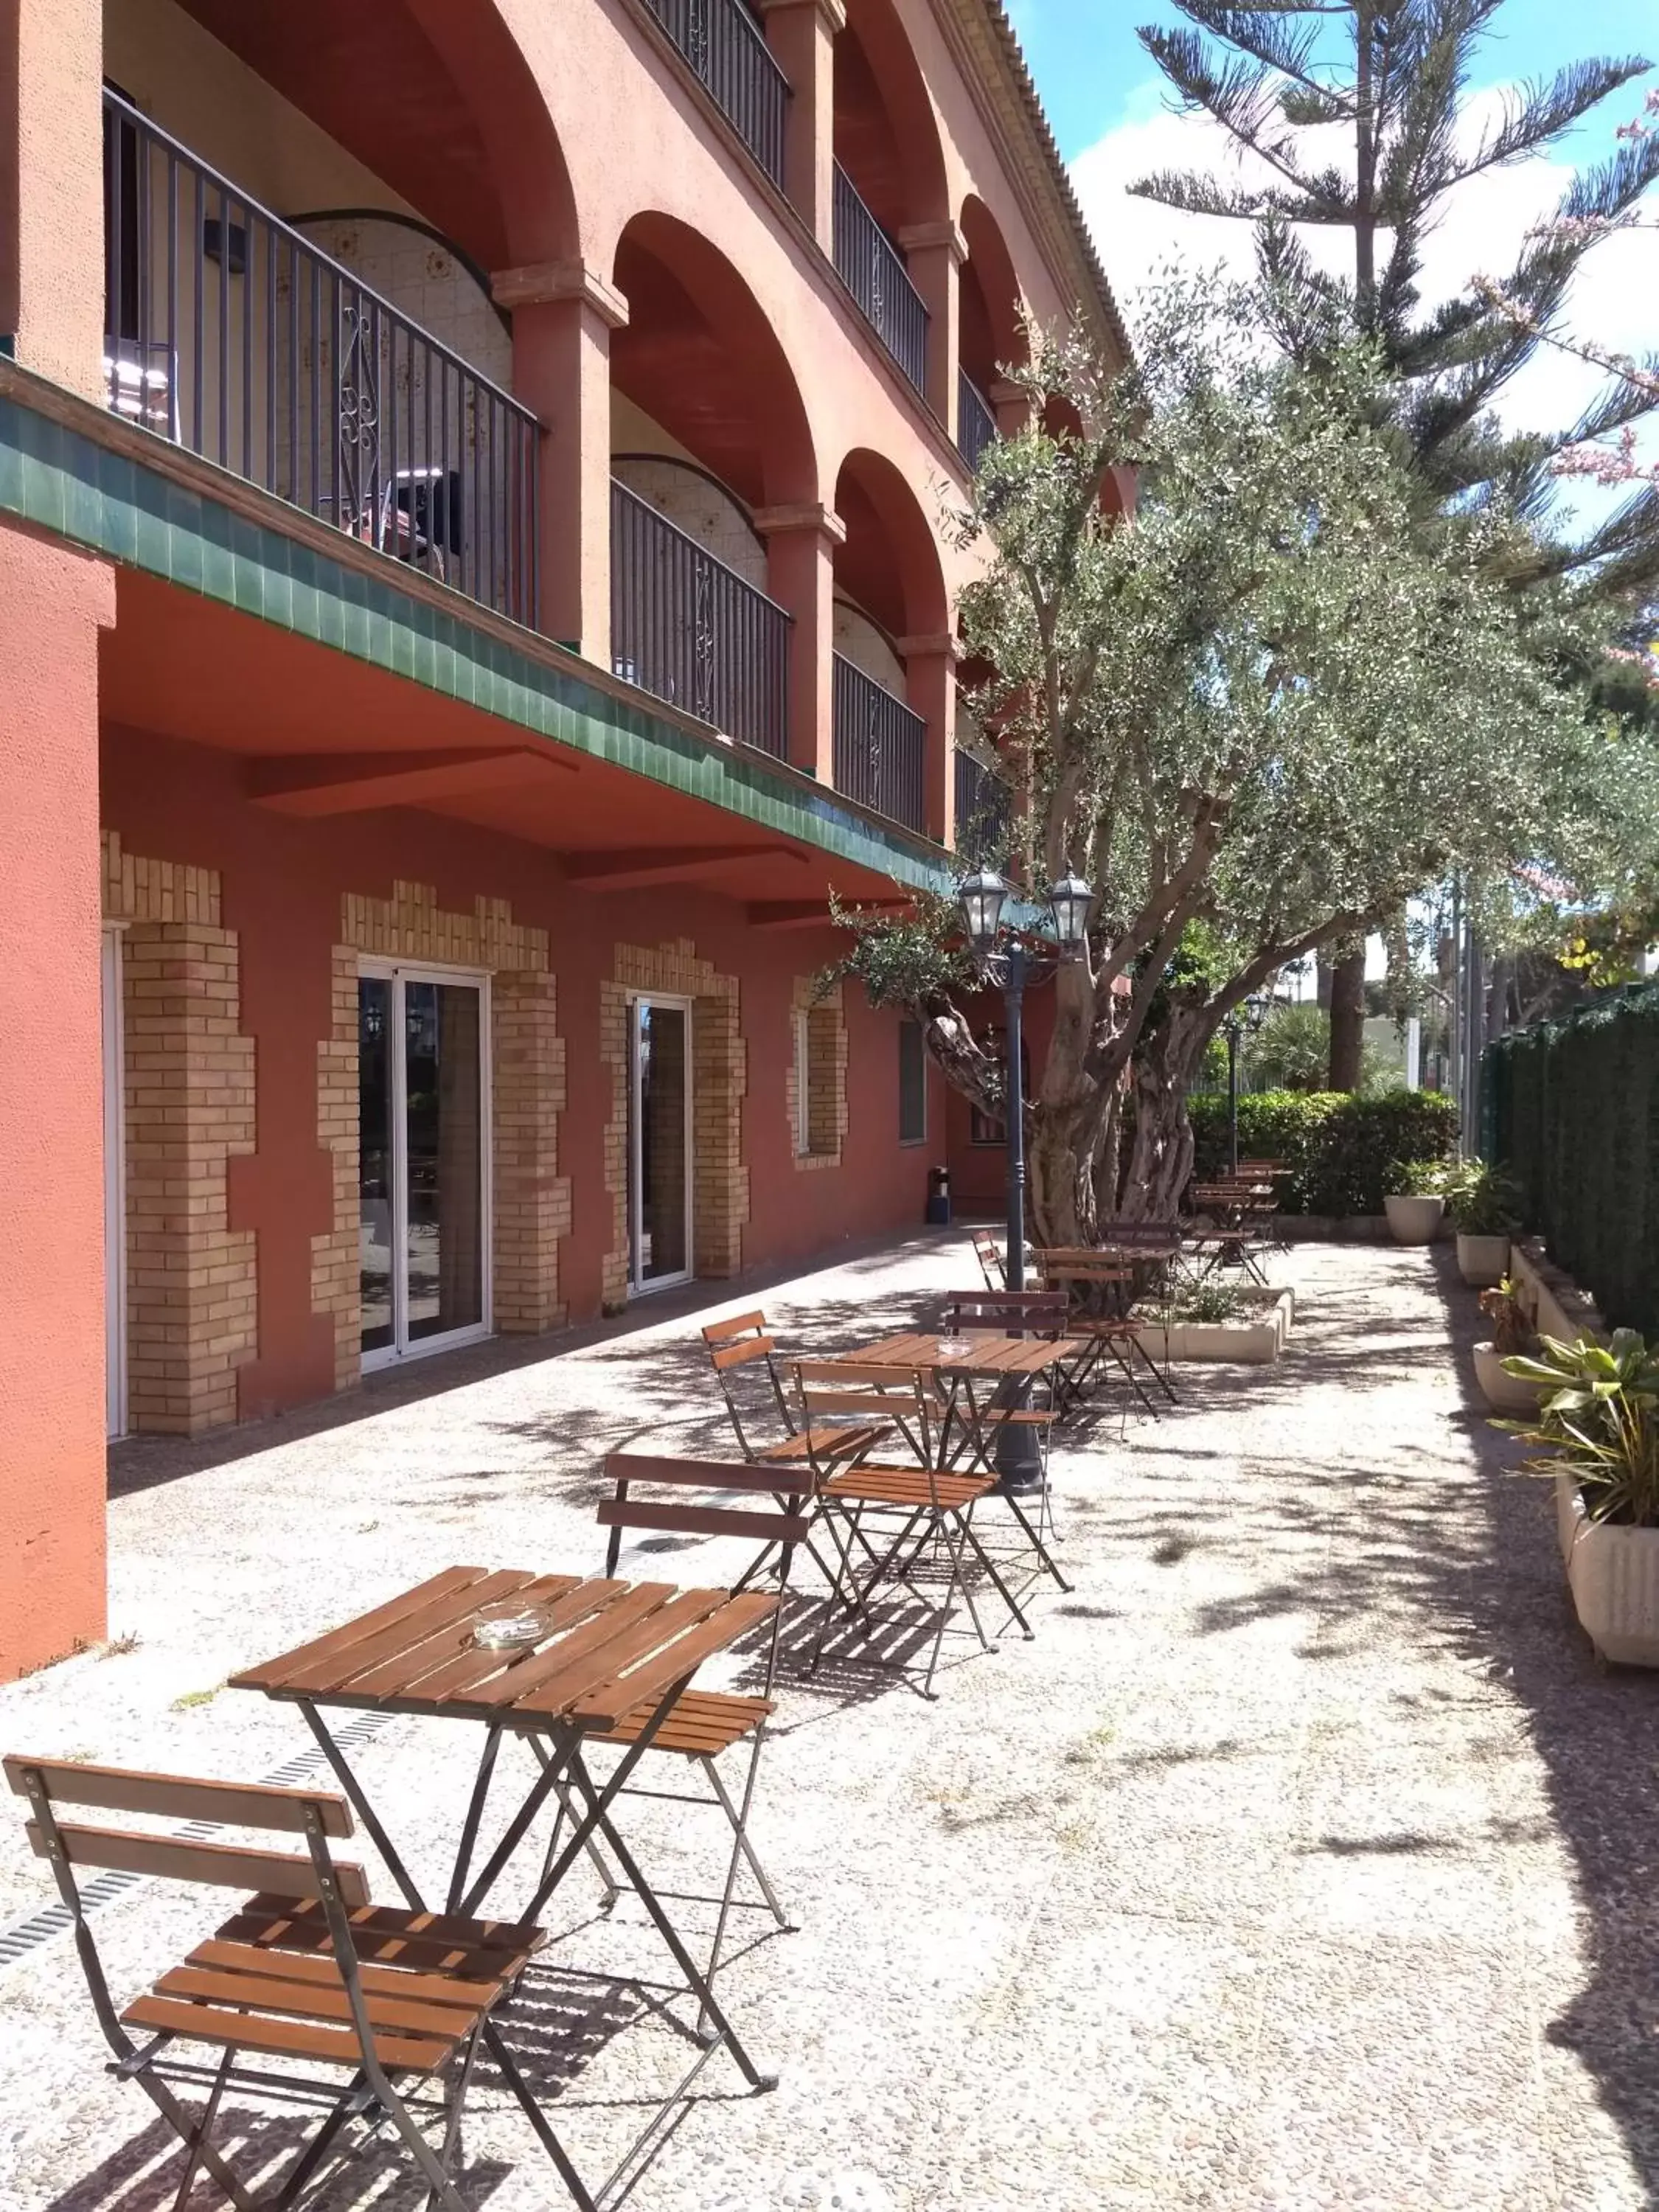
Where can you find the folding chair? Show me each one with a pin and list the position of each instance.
(990, 1260)
(703, 1725)
(933, 1506)
(307, 1972)
(1113, 1337)
(1232, 1235)
(1015, 1312)
(738, 1343)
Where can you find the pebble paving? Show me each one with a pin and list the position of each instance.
(1304, 1861)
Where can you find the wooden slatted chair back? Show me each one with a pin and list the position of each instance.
(1128, 1234)
(882, 1396)
(990, 1260)
(1018, 1313)
(47, 1784)
(738, 1342)
(779, 1520)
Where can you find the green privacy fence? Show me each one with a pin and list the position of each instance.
(1571, 1108)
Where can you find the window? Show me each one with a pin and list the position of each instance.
(803, 1083)
(912, 1084)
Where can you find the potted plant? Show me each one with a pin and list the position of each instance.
(1416, 1201)
(1512, 1338)
(1481, 1201)
(1597, 1434)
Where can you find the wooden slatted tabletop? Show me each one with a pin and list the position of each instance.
(990, 1351)
(608, 1647)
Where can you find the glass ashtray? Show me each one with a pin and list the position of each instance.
(955, 1347)
(508, 1627)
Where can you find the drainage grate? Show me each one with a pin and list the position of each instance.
(28, 1935)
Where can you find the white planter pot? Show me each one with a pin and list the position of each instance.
(1613, 1576)
(1483, 1260)
(1504, 1394)
(1414, 1220)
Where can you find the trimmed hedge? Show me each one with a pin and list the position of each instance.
(1340, 1146)
(1571, 1108)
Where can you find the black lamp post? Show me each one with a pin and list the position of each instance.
(1255, 1011)
(1003, 961)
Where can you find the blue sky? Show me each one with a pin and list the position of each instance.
(1113, 122)
(1092, 74)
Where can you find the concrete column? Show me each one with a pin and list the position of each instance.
(800, 576)
(933, 254)
(1010, 406)
(930, 686)
(51, 193)
(801, 34)
(563, 314)
(53, 603)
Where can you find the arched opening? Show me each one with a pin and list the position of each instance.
(707, 429)
(318, 317)
(890, 182)
(892, 680)
(991, 333)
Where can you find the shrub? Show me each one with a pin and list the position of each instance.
(1341, 1149)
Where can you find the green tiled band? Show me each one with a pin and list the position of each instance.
(54, 477)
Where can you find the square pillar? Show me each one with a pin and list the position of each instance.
(53, 604)
(934, 255)
(51, 191)
(930, 686)
(800, 576)
(563, 314)
(801, 34)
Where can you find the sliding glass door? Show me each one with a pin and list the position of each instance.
(659, 1143)
(423, 1102)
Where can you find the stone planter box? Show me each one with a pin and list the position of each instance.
(1482, 1260)
(1613, 1576)
(1550, 1300)
(1246, 1340)
(1504, 1394)
(1414, 1220)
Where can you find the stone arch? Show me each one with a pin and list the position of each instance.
(699, 358)
(991, 333)
(436, 96)
(890, 564)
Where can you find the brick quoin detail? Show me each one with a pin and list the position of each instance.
(192, 1303)
(826, 1075)
(531, 1200)
(719, 1079)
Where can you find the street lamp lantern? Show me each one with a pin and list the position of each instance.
(982, 897)
(1070, 902)
(1257, 1007)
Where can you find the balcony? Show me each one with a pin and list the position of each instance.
(874, 273)
(232, 335)
(729, 54)
(976, 426)
(689, 630)
(880, 747)
(985, 810)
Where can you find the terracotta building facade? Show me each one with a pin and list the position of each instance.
(476, 578)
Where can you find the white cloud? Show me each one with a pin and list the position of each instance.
(1481, 229)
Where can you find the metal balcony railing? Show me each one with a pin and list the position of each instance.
(985, 810)
(874, 273)
(976, 426)
(686, 628)
(230, 333)
(726, 47)
(879, 746)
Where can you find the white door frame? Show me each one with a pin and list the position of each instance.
(115, 1180)
(672, 1002)
(398, 973)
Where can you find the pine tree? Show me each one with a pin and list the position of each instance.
(1391, 75)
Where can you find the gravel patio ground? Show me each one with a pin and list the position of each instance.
(1303, 1860)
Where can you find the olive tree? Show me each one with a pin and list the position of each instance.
(1257, 718)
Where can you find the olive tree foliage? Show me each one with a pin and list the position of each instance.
(1257, 718)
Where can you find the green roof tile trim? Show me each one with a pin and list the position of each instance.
(54, 477)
